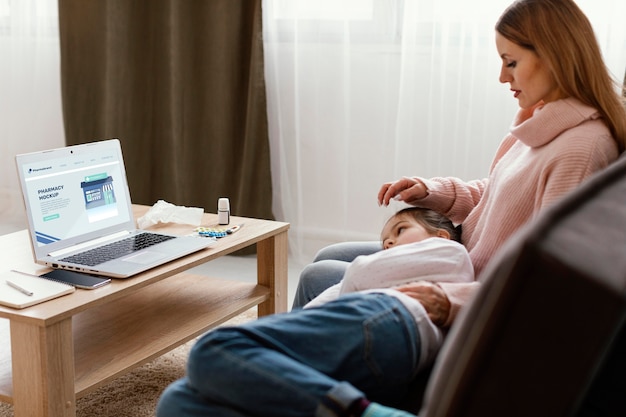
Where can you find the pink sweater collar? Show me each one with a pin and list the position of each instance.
(539, 126)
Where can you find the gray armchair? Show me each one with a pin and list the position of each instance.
(545, 335)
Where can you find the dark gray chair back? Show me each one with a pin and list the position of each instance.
(544, 336)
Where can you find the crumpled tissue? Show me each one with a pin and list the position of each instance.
(164, 212)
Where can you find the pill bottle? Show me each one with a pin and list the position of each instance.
(223, 211)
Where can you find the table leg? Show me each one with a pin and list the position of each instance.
(43, 370)
(272, 272)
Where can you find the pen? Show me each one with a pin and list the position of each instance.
(20, 289)
(25, 273)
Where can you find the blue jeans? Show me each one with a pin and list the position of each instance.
(328, 268)
(309, 362)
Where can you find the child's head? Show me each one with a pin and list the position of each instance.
(414, 224)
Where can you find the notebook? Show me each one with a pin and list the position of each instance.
(78, 204)
(40, 289)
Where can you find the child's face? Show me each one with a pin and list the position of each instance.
(400, 230)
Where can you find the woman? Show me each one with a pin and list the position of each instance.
(350, 355)
(489, 214)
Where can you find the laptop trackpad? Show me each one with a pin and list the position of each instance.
(144, 257)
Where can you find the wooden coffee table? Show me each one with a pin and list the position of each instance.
(65, 348)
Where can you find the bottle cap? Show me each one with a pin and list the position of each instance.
(223, 204)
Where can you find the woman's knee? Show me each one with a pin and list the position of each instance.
(330, 271)
(328, 252)
(317, 277)
(347, 251)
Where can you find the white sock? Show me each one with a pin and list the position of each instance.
(377, 410)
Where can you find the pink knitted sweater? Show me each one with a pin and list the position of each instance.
(547, 153)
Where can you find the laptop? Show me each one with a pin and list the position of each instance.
(78, 207)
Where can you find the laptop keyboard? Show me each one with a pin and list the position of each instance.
(117, 249)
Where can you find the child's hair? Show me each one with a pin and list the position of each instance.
(432, 221)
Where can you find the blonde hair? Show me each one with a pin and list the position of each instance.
(561, 35)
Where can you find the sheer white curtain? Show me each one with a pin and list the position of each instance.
(361, 92)
(30, 93)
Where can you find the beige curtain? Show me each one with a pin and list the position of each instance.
(180, 83)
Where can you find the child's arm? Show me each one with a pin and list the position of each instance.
(434, 259)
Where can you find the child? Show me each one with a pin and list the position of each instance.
(419, 244)
(357, 335)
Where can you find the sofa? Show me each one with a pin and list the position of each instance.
(544, 335)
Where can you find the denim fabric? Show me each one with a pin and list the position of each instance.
(328, 268)
(296, 364)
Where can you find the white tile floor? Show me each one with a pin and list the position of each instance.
(233, 267)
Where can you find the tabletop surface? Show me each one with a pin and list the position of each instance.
(15, 253)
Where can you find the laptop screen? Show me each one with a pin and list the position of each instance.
(74, 194)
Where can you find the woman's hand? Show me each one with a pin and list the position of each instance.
(405, 189)
(432, 297)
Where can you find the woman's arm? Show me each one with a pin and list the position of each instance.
(449, 196)
(441, 300)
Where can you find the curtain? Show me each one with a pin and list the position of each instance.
(30, 95)
(361, 92)
(180, 83)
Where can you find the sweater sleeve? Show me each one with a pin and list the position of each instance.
(455, 198)
(452, 197)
